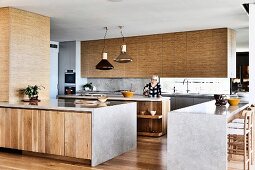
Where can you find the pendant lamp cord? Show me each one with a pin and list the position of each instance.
(121, 32)
(106, 30)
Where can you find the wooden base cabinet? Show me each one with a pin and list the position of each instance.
(148, 125)
(50, 132)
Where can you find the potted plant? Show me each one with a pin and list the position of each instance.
(32, 92)
(88, 87)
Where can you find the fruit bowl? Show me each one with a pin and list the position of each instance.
(234, 101)
(127, 93)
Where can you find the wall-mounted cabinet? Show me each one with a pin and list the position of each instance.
(206, 53)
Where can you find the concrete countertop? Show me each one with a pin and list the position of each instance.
(191, 95)
(63, 105)
(116, 97)
(209, 108)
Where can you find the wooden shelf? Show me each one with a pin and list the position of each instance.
(149, 116)
(154, 134)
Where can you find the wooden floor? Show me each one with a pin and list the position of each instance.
(150, 154)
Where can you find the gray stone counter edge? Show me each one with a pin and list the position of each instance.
(135, 98)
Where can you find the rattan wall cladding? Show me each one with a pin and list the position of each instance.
(29, 52)
(174, 54)
(4, 54)
(184, 54)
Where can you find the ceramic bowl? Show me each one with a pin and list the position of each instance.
(152, 112)
(234, 101)
(102, 99)
(127, 93)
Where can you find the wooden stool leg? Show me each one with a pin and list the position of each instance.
(245, 152)
(252, 146)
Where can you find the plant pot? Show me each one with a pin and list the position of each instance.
(34, 98)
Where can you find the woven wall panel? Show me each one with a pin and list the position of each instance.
(4, 54)
(29, 52)
(184, 54)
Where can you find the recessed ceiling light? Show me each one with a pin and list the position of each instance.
(115, 0)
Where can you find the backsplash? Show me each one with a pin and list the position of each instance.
(119, 84)
(195, 85)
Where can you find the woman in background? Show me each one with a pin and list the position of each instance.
(153, 89)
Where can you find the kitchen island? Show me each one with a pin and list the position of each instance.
(90, 133)
(197, 137)
(147, 125)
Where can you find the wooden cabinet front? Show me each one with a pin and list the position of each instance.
(78, 135)
(174, 62)
(51, 132)
(54, 132)
(205, 53)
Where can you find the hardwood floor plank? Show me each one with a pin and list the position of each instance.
(151, 154)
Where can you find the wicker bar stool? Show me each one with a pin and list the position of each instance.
(238, 123)
(240, 138)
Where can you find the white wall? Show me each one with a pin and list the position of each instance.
(70, 59)
(252, 53)
(79, 80)
(54, 71)
(67, 55)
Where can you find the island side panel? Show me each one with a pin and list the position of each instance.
(114, 131)
(196, 141)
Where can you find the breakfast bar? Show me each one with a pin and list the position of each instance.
(197, 137)
(85, 132)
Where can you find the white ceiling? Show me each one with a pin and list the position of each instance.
(85, 19)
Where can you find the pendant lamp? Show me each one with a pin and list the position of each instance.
(123, 57)
(104, 64)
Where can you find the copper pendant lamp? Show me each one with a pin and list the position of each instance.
(123, 57)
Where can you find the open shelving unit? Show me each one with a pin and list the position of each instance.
(148, 125)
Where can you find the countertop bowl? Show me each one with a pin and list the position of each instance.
(152, 112)
(127, 93)
(102, 99)
(234, 101)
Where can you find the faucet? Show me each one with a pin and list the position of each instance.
(187, 82)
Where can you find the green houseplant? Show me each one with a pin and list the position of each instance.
(88, 86)
(32, 91)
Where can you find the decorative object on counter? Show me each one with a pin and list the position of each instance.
(127, 93)
(102, 104)
(142, 112)
(88, 87)
(32, 93)
(123, 57)
(102, 99)
(220, 99)
(153, 89)
(233, 101)
(153, 112)
(104, 64)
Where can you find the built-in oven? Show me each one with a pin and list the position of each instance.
(70, 77)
